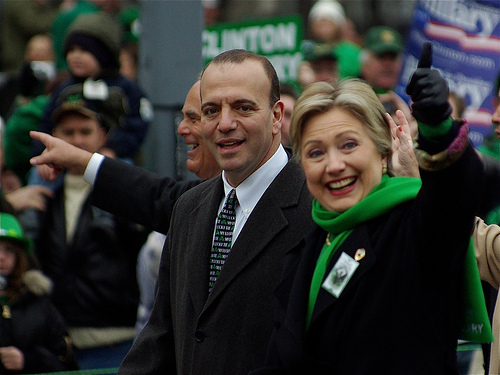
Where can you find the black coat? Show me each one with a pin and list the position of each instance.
(125, 139)
(94, 277)
(150, 198)
(399, 312)
(190, 332)
(37, 329)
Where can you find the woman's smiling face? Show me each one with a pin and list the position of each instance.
(341, 162)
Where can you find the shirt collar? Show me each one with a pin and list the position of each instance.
(253, 187)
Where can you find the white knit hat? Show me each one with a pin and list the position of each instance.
(327, 9)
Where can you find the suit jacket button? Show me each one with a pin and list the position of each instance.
(199, 336)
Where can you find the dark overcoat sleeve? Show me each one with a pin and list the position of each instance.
(137, 195)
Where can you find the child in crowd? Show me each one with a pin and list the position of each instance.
(33, 337)
(89, 254)
(92, 49)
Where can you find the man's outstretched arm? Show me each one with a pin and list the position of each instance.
(58, 156)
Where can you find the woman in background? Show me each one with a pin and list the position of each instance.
(33, 337)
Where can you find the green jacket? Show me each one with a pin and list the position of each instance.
(17, 141)
(349, 59)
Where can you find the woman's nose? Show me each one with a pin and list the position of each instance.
(335, 162)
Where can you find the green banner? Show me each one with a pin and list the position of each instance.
(279, 39)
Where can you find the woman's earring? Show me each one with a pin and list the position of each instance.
(384, 169)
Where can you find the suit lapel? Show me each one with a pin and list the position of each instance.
(260, 230)
(253, 239)
(201, 237)
(292, 295)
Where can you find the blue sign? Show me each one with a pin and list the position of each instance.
(465, 36)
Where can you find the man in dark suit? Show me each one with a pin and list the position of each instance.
(203, 321)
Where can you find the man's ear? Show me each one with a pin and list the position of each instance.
(278, 111)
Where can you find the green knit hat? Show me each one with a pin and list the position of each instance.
(10, 229)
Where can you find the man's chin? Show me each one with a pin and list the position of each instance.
(192, 166)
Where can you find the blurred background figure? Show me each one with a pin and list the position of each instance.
(40, 58)
(14, 197)
(89, 254)
(320, 65)
(327, 23)
(486, 238)
(22, 105)
(92, 48)
(211, 11)
(25, 117)
(33, 335)
(31, 78)
(382, 61)
(67, 15)
(20, 20)
(129, 54)
(491, 145)
(382, 58)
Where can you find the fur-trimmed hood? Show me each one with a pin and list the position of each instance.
(37, 283)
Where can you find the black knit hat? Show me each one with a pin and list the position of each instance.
(99, 34)
(98, 49)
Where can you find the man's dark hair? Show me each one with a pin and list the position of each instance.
(237, 56)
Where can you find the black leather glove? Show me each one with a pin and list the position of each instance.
(428, 91)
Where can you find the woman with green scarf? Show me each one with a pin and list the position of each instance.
(377, 286)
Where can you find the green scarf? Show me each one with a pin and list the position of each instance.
(391, 192)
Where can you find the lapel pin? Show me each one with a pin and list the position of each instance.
(360, 254)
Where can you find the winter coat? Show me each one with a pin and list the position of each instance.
(399, 312)
(125, 139)
(31, 323)
(94, 275)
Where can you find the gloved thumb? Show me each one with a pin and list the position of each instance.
(423, 67)
(426, 56)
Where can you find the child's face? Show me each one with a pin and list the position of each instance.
(8, 257)
(81, 132)
(81, 63)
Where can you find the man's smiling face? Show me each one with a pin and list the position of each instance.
(200, 161)
(240, 127)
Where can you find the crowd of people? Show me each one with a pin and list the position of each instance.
(70, 83)
(331, 229)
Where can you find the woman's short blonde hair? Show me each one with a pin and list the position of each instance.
(351, 95)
